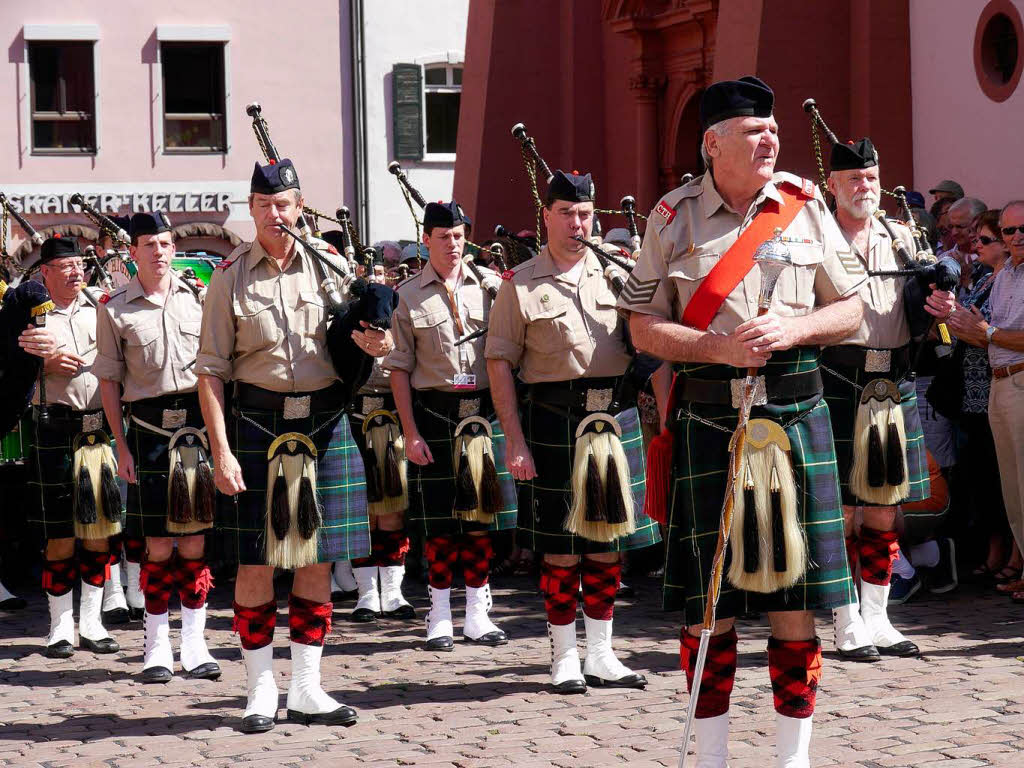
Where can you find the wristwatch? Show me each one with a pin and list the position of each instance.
(989, 332)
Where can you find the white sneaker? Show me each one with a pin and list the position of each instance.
(195, 657)
(566, 675)
(601, 666)
(262, 701)
(308, 703)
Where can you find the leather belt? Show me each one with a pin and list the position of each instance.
(890, 361)
(329, 398)
(1006, 371)
(590, 394)
(85, 421)
(152, 408)
(460, 404)
(791, 386)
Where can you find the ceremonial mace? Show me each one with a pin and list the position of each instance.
(772, 256)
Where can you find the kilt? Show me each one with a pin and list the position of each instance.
(50, 510)
(341, 486)
(701, 460)
(842, 402)
(146, 513)
(545, 501)
(432, 488)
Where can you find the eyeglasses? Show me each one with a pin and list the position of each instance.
(986, 240)
(1007, 231)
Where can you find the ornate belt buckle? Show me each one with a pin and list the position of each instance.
(469, 407)
(92, 422)
(371, 404)
(296, 407)
(736, 390)
(598, 400)
(171, 419)
(877, 360)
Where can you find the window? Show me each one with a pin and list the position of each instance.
(442, 90)
(997, 56)
(63, 97)
(193, 87)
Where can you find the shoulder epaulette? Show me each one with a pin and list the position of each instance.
(104, 298)
(805, 187)
(234, 256)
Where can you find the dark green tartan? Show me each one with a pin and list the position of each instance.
(51, 485)
(545, 501)
(147, 497)
(842, 402)
(341, 487)
(700, 468)
(432, 488)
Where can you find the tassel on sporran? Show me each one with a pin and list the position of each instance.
(293, 510)
(387, 484)
(96, 498)
(602, 499)
(477, 490)
(191, 492)
(878, 474)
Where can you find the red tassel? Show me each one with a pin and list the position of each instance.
(659, 476)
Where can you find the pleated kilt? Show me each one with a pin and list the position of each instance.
(701, 462)
(146, 501)
(545, 501)
(362, 405)
(842, 402)
(50, 510)
(432, 488)
(341, 486)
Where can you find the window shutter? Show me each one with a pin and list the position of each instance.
(407, 111)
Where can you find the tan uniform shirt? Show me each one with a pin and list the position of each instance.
(266, 326)
(75, 329)
(885, 323)
(425, 331)
(691, 228)
(149, 347)
(555, 328)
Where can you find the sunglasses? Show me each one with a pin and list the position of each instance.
(986, 240)
(1007, 231)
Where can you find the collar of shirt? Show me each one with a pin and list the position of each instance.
(258, 253)
(712, 200)
(546, 267)
(135, 290)
(429, 275)
(71, 308)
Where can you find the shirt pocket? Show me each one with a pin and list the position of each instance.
(687, 272)
(428, 331)
(605, 311)
(189, 334)
(795, 287)
(256, 323)
(145, 343)
(549, 328)
(313, 315)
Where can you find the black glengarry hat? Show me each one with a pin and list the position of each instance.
(747, 97)
(853, 156)
(274, 177)
(572, 187)
(444, 215)
(58, 247)
(151, 223)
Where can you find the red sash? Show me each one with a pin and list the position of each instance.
(735, 263)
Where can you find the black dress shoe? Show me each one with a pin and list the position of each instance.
(402, 613)
(256, 724)
(106, 645)
(116, 616)
(157, 675)
(341, 716)
(208, 671)
(13, 604)
(497, 637)
(904, 648)
(362, 616)
(136, 614)
(865, 653)
(567, 687)
(634, 680)
(62, 649)
(443, 643)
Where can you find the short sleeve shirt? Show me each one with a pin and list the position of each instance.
(75, 329)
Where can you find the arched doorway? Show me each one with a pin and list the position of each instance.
(682, 150)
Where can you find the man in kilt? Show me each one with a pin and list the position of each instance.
(147, 340)
(264, 329)
(879, 351)
(682, 310)
(71, 411)
(444, 402)
(555, 320)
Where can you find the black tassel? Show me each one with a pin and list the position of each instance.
(894, 469)
(180, 505)
(596, 510)
(84, 500)
(374, 493)
(392, 475)
(110, 494)
(280, 517)
(490, 489)
(466, 498)
(613, 493)
(876, 458)
(751, 541)
(206, 492)
(778, 533)
(309, 517)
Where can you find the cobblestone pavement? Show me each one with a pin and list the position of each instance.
(960, 705)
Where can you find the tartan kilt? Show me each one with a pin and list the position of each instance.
(432, 488)
(842, 402)
(701, 460)
(545, 501)
(50, 509)
(147, 498)
(340, 485)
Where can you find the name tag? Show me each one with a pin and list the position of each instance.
(464, 381)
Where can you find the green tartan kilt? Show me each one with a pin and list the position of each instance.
(842, 402)
(340, 485)
(432, 488)
(545, 501)
(50, 460)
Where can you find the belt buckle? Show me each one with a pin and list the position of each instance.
(173, 419)
(469, 407)
(371, 404)
(598, 400)
(297, 407)
(736, 387)
(877, 360)
(92, 422)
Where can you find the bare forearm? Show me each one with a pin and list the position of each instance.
(211, 402)
(661, 383)
(829, 324)
(503, 394)
(402, 391)
(674, 342)
(110, 394)
(1009, 339)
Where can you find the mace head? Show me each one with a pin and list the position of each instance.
(772, 256)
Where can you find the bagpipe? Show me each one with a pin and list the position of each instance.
(10, 273)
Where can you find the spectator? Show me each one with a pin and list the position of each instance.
(946, 190)
(940, 212)
(962, 214)
(390, 250)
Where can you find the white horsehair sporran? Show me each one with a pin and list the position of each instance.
(878, 474)
(602, 499)
(97, 497)
(294, 513)
(387, 483)
(477, 490)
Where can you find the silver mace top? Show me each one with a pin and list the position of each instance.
(772, 256)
